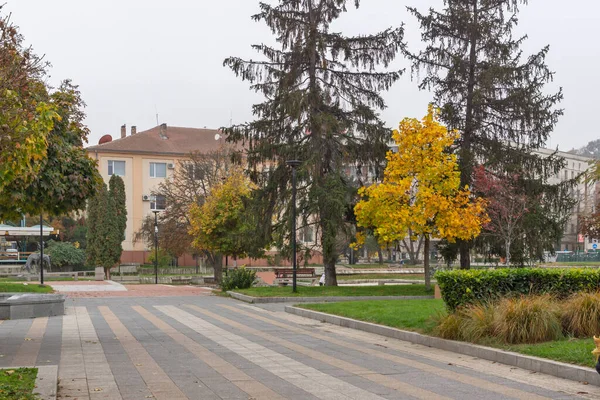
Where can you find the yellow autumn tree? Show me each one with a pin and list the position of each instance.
(421, 190)
(224, 223)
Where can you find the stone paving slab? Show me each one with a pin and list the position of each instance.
(105, 286)
(209, 347)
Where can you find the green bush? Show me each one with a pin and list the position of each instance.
(527, 319)
(581, 315)
(461, 287)
(164, 259)
(64, 254)
(239, 278)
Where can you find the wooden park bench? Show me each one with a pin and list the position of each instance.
(300, 273)
(284, 276)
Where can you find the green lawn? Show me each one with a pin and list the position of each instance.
(574, 351)
(367, 266)
(351, 277)
(19, 287)
(17, 383)
(420, 315)
(574, 264)
(316, 291)
(414, 315)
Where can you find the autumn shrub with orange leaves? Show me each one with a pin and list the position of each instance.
(421, 190)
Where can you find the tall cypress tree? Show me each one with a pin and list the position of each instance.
(117, 193)
(488, 91)
(322, 94)
(91, 251)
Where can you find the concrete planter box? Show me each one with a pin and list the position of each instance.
(31, 305)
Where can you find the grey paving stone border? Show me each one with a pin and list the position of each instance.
(257, 300)
(549, 367)
(46, 381)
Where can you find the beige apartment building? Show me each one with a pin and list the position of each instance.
(144, 160)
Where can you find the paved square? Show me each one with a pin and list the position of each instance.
(198, 346)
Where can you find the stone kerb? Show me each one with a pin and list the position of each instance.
(257, 300)
(549, 367)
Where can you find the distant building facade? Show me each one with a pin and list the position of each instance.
(144, 160)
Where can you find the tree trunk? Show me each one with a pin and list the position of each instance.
(465, 158)
(426, 263)
(330, 275)
(380, 254)
(508, 252)
(465, 256)
(216, 262)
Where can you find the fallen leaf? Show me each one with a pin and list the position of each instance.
(9, 372)
(97, 389)
(28, 339)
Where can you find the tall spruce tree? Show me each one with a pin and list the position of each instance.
(322, 94)
(487, 91)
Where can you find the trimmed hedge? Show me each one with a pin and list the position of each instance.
(460, 287)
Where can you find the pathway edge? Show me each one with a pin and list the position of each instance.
(326, 299)
(536, 364)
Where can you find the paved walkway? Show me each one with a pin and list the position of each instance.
(209, 347)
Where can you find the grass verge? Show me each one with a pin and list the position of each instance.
(352, 277)
(420, 316)
(318, 291)
(24, 288)
(17, 383)
(371, 266)
(413, 315)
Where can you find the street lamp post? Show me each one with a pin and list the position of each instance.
(294, 164)
(155, 247)
(41, 249)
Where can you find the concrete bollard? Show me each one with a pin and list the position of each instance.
(99, 274)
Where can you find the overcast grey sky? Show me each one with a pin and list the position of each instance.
(134, 58)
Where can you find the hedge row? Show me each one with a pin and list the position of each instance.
(460, 287)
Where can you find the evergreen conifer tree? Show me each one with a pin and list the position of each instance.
(491, 94)
(91, 251)
(322, 93)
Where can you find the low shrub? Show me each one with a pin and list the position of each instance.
(239, 278)
(462, 287)
(581, 314)
(527, 319)
(64, 254)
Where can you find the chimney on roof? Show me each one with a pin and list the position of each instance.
(133, 129)
(163, 131)
(123, 131)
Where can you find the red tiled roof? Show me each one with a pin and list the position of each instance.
(178, 141)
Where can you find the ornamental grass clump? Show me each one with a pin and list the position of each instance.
(581, 314)
(478, 321)
(449, 326)
(527, 319)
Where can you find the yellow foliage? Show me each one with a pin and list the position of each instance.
(218, 223)
(421, 188)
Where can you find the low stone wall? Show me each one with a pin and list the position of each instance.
(31, 305)
(174, 271)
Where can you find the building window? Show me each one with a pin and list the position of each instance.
(566, 174)
(158, 170)
(572, 174)
(307, 234)
(158, 202)
(116, 168)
